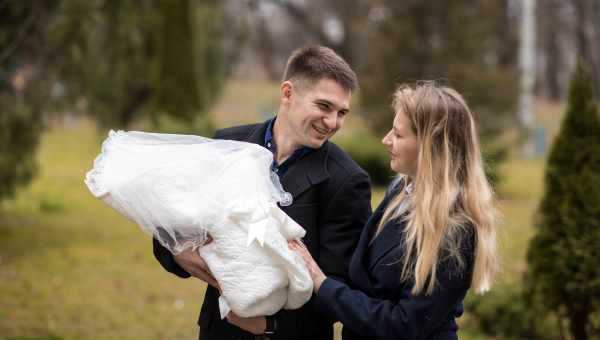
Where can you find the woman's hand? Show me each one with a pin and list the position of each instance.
(313, 268)
(256, 325)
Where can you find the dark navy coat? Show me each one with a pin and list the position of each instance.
(377, 305)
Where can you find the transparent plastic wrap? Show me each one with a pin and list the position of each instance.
(179, 188)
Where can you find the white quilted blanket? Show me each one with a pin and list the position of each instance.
(180, 187)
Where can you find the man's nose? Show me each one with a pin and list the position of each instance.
(330, 121)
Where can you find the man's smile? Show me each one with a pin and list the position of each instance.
(321, 130)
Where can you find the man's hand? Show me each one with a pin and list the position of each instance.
(256, 325)
(193, 263)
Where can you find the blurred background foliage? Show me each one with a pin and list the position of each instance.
(70, 70)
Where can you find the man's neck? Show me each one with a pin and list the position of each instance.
(285, 144)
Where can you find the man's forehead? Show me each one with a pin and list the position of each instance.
(331, 92)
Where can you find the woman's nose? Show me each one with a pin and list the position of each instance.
(386, 140)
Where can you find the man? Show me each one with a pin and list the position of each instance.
(331, 193)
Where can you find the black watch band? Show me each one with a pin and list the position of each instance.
(271, 325)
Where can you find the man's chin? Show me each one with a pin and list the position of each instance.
(316, 143)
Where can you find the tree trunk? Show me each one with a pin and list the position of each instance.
(595, 45)
(128, 112)
(583, 11)
(578, 319)
(527, 66)
(551, 49)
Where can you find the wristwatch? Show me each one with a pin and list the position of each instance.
(271, 325)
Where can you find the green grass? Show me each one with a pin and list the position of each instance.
(78, 270)
(72, 268)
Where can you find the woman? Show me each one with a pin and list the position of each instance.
(432, 236)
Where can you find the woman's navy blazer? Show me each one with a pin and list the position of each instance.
(377, 305)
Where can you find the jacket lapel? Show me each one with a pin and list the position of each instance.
(307, 171)
(257, 136)
(361, 264)
(388, 239)
(358, 265)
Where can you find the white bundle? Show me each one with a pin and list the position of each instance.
(181, 187)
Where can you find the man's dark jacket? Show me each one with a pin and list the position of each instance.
(332, 202)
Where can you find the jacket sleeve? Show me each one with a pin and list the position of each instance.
(340, 226)
(165, 258)
(412, 317)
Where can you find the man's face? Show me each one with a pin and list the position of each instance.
(315, 111)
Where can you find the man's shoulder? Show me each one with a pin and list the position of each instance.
(339, 162)
(240, 132)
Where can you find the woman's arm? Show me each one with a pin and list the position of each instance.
(415, 317)
(412, 318)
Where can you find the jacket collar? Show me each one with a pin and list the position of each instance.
(389, 238)
(307, 171)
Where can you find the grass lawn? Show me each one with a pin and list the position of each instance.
(71, 268)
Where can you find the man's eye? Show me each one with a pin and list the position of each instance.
(323, 107)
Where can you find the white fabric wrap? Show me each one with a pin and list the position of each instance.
(180, 187)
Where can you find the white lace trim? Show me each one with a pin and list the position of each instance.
(93, 178)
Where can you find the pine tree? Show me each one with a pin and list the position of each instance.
(564, 256)
(177, 87)
(189, 64)
(19, 137)
(20, 122)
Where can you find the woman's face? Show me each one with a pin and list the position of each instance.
(402, 146)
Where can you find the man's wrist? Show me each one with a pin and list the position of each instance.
(271, 327)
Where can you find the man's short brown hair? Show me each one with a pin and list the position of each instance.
(315, 62)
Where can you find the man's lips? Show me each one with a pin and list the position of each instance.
(321, 130)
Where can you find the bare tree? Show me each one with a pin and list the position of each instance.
(549, 49)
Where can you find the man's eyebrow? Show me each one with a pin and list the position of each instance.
(324, 101)
(331, 104)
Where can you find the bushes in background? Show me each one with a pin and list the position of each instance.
(370, 154)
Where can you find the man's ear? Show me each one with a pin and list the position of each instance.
(286, 91)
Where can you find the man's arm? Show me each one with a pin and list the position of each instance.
(166, 259)
(186, 264)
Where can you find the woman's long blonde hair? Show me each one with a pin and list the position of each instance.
(451, 196)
